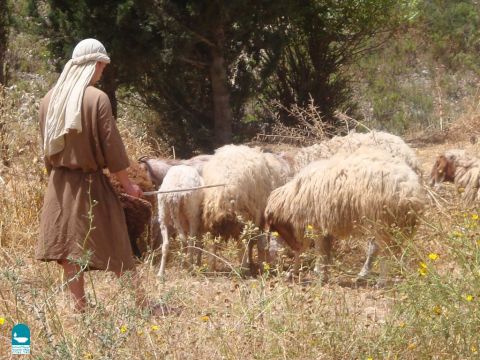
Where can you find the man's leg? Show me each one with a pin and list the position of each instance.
(76, 284)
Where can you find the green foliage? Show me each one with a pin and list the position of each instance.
(453, 30)
(425, 74)
(322, 39)
(438, 311)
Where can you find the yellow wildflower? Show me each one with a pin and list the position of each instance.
(205, 318)
(433, 256)
(422, 269)
(154, 327)
(469, 298)
(369, 358)
(401, 324)
(474, 216)
(411, 346)
(461, 190)
(140, 333)
(266, 266)
(275, 233)
(123, 329)
(309, 227)
(2, 320)
(474, 349)
(88, 356)
(437, 310)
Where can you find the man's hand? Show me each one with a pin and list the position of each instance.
(130, 188)
(134, 190)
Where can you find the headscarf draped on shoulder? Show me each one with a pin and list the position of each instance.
(65, 107)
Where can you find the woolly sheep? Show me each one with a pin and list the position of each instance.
(157, 168)
(349, 143)
(180, 210)
(250, 176)
(341, 196)
(457, 166)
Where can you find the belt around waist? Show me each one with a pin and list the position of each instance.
(79, 170)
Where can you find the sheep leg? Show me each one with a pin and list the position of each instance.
(372, 251)
(192, 243)
(183, 240)
(323, 249)
(262, 246)
(165, 243)
(212, 263)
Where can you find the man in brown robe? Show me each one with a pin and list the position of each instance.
(82, 224)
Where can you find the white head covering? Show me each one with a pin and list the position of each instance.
(64, 109)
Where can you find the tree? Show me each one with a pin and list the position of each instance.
(118, 24)
(209, 44)
(322, 39)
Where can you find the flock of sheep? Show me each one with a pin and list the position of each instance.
(359, 184)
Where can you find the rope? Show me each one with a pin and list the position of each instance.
(180, 190)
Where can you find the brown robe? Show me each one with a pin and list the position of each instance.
(77, 187)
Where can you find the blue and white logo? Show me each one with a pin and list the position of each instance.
(20, 339)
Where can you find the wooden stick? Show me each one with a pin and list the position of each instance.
(180, 190)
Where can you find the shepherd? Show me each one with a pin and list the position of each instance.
(82, 223)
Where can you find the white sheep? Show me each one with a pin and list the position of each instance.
(344, 195)
(180, 210)
(457, 166)
(157, 168)
(250, 176)
(390, 143)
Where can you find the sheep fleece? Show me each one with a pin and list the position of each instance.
(332, 195)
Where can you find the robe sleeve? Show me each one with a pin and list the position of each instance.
(113, 149)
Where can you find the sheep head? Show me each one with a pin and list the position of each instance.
(443, 170)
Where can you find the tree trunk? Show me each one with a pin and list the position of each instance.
(3, 38)
(222, 111)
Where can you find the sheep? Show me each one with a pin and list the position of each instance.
(138, 212)
(157, 168)
(457, 166)
(349, 143)
(250, 176)
(341, 196)
(180, 210)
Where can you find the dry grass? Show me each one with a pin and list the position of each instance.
(424, 314)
